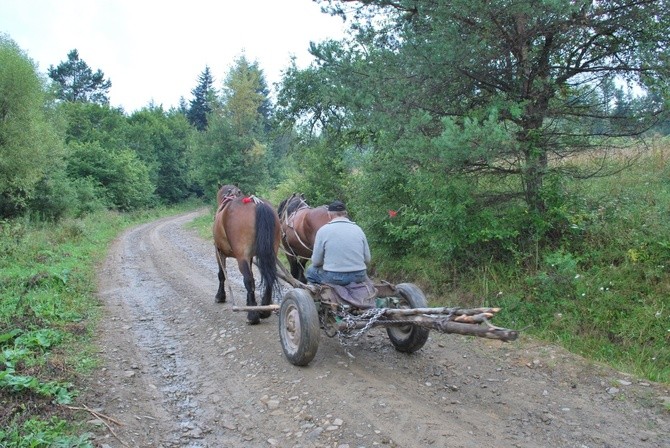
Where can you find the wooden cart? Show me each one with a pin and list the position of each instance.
(305, 310)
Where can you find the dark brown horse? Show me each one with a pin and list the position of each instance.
(246, 227)
(299, 223)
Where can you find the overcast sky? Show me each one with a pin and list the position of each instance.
(154, 50)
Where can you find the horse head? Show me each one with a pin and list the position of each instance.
(289, 206)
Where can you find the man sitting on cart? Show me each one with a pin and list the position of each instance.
(341, 252)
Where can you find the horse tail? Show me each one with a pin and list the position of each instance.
(265, 244)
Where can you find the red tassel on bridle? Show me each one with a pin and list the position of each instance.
(247, 200)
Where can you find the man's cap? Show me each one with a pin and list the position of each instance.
(337, 206)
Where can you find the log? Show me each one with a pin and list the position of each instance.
(476, 319)
(489, 312)
(482, 331)
(440, 324)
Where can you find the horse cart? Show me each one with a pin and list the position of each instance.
(347, 313)
(247, 227)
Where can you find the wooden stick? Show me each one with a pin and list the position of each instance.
(102, 418)
(272, 307)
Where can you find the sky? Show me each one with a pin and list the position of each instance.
(154, 50)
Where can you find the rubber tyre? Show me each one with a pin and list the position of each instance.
(409, 338)
(299, 328)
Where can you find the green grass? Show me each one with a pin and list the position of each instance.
(203, 224)
(48, 313)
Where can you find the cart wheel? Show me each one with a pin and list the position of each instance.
(299, 327)
(409, 338)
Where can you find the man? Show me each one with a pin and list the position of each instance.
(341, 252)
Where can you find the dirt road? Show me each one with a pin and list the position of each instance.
(183, 371)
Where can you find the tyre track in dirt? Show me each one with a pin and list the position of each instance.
(182, 371)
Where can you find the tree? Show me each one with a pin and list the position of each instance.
(102, 157)
(234, 147)
(201, 104)
(246, 106)
(486, 89)
(216, 159)
(76, 81)
(91, 122)
(30, 145)
(160, 139)
(121, 175)
(245, 98)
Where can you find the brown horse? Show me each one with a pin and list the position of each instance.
(246, 227)
(299, 223)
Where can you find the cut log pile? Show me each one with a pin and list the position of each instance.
(463, 321)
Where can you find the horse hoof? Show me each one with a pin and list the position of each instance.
(252, 318)
(219, 299)
(265, 314)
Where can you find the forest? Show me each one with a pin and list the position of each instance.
(504, 153)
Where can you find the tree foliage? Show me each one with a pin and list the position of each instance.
(76, 81)
(100, 152)
(121, 175)
(160, 139)
(485, 93)
(234, 147)
(92, 122)
(245, 98)
(30, 145)
(78, 155)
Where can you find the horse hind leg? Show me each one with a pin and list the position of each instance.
(253, 317)
(266, 300)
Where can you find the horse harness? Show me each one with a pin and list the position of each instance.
(228, 198)
(289, 220)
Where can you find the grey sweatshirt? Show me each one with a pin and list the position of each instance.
(341, 246)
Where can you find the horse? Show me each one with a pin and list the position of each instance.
(299, 224)
(246, 227)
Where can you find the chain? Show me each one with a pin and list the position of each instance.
(372, 315)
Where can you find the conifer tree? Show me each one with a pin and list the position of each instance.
(76, 81)
(246, 98)
(201, 104)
